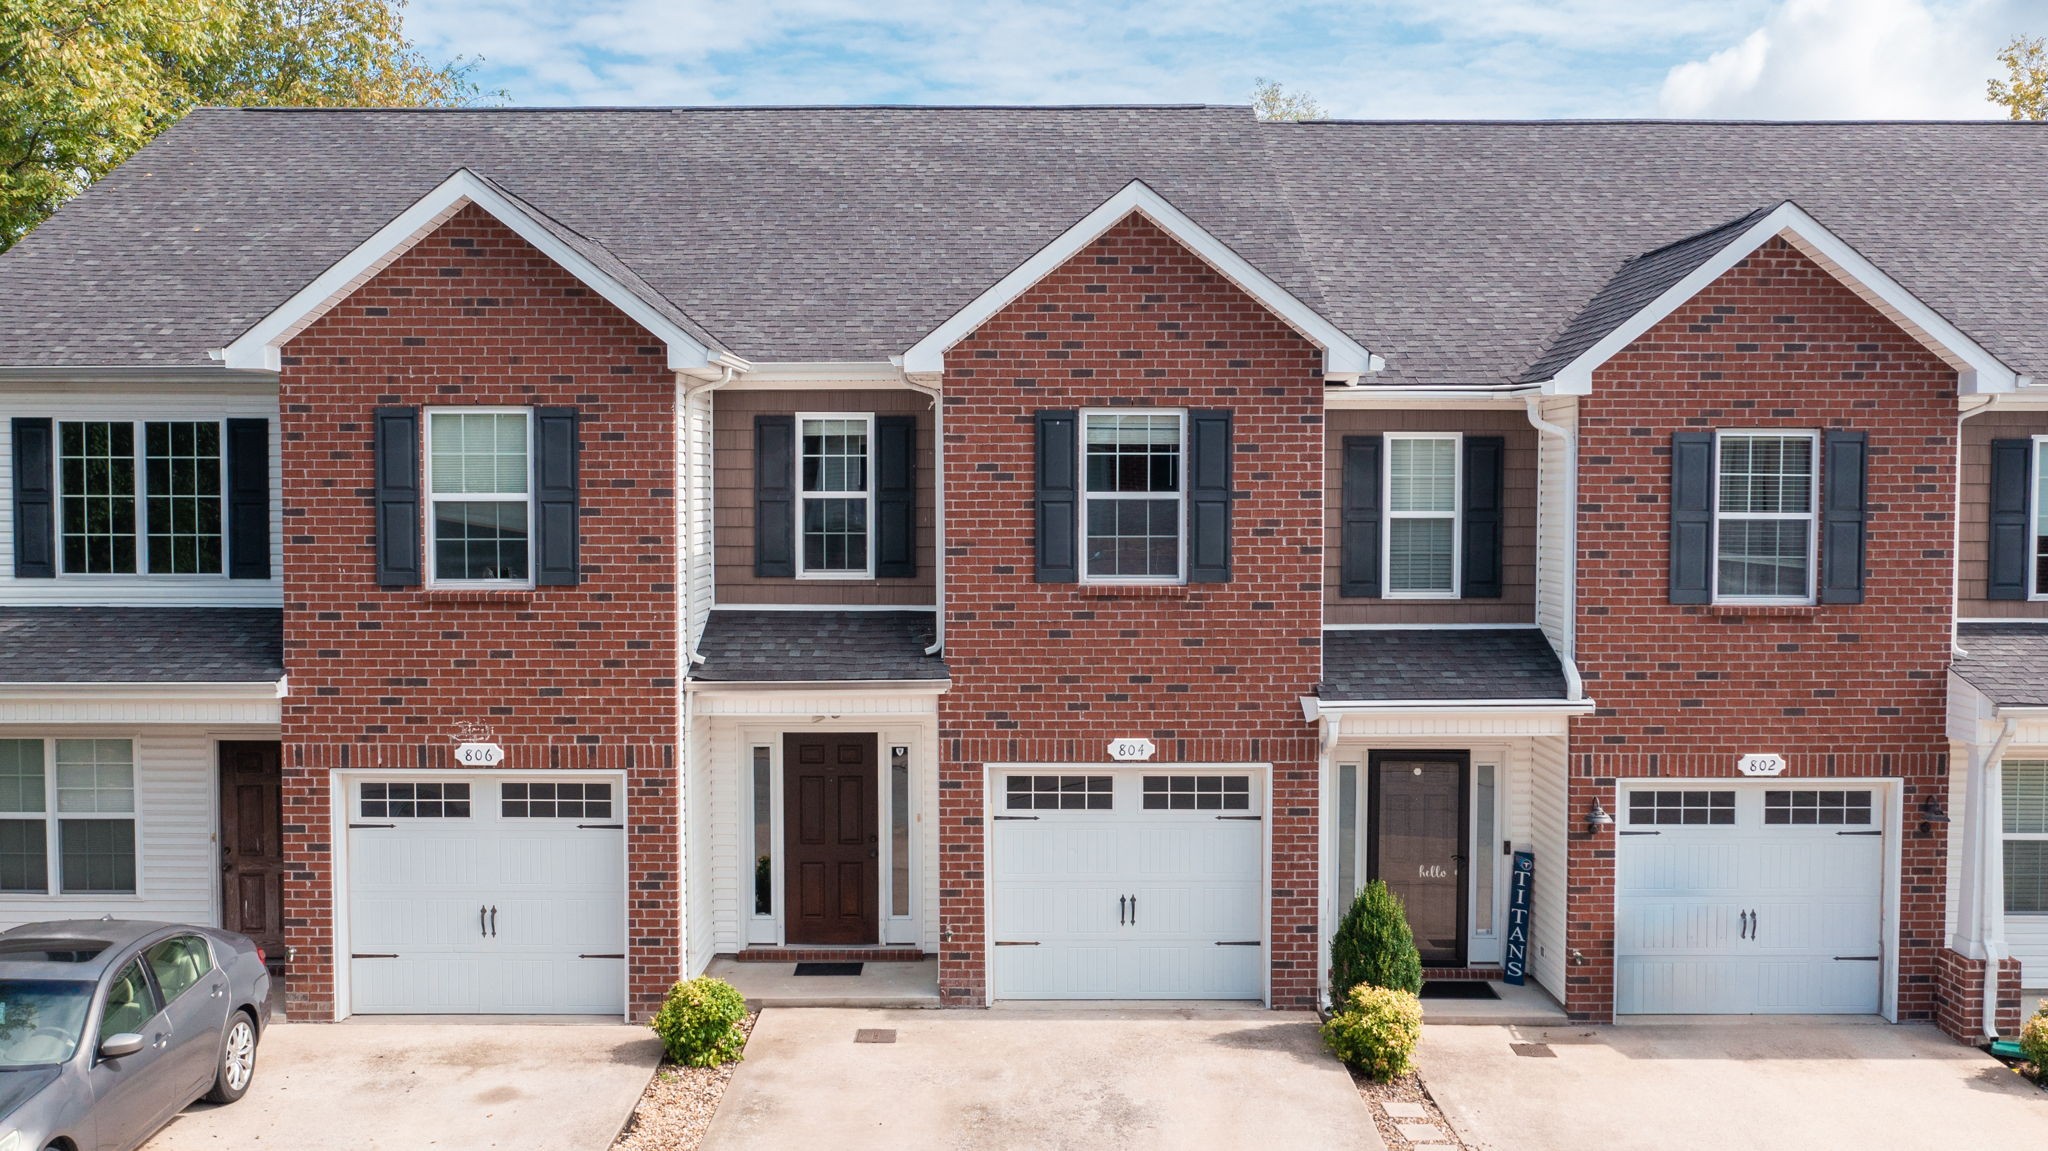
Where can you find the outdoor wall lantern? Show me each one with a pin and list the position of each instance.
(1931, 814)
(1598, 818)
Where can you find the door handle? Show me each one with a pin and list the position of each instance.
(1752, 926)
(219, 990)
(494, 921)
(1134, 911)
(480, 920)
(158, 1041)
(1742, 918)
(1120, 910)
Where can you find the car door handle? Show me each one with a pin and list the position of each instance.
(219, 990)
(159, 1041)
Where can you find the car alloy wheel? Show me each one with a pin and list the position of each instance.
(238, 1054)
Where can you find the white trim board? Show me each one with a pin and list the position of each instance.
(1343, 357)
(257, 348)
(1978, 371)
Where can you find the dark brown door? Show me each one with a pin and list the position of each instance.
(1416, 841)
(829, 839)
(251, 844)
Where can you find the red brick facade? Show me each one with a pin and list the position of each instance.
(1838, 690)
(1047, 672)
(565, 677)
(1959, 996)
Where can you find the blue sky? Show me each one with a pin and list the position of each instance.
(1385, 58)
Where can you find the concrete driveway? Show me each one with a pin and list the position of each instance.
(1768, 1085)
(1024, 1078)
(451, 1086)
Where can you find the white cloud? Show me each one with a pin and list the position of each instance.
(1863, 59)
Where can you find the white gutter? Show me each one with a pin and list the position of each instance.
(1991, 861)
(912, 686)
(938, 516)
(1314, 709)
(1575, 688)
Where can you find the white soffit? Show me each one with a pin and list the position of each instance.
(257, 348)
(1343, 357)
(1978, 371)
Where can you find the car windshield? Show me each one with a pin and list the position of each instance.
(41, 1020)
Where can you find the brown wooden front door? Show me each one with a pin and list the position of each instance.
(1417, 841)
(252, 844)
(829, 839)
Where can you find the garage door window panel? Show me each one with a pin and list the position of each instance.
(1058, 793)
(479, 482)
(1817, 808)
(555, 800)
(1197, 792)
(1766, 486)
(2024, 791)
(414, 800)
(1134, 500)
(1676, 808)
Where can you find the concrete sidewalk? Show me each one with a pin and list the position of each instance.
(451, 1086)
(1727, 1085)
(1042, 1078)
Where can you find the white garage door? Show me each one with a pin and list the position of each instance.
(1749, 900)
(1128, 885)
(486, 894)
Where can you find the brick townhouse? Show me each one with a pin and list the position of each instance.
(506, 561)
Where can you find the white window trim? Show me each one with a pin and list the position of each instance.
(1180, 498)
(53, 821)
(1456, 516)
(2038, 530)
(2005, 837)
(427, 479)
(803, 496)
(140, 495)
(1811, 516)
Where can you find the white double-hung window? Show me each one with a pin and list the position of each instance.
(1767, 491)
(1422, 544)
(1134, 493)
(139, 497)
(835, 496)
(2024, 787)
(75, 823)
(479, 490)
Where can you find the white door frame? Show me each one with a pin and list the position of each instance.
(339, 787)
(893, 930)
(989, 773)
(1892, 788)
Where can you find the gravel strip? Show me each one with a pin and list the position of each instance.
(678, 1105)
(1408, 1088)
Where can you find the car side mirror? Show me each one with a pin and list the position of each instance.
(125, 1043)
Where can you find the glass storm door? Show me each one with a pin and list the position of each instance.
(1417, 843)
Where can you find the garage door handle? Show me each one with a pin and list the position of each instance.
(1119, 911)
(1237, 943)
(480, 929)
(1134, 911)
(1858, 958)
(1743, 918)
(494, 921)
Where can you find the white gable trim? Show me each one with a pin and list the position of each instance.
(257, 348)
(1978, 370)
(1343, 357)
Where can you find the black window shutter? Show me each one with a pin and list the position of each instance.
(1359, 532)
(35, 499)
(2011, 545)
(895, 497)
(1692, 517)
(1844, 515)
(1209, 467)
(248, 499)
(1058, 494)
(398, 497)
(775, 497)
(556, 508)
(1485, 493)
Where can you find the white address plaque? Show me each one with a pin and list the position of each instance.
(479, 754)
(1130, 749)
(1760, 764)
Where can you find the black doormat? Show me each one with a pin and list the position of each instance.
(828, 968)
(1459, 989)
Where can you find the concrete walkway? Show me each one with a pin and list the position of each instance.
(878, 985)
(1039, 1079)
(451, 1086)
(1766, 1085)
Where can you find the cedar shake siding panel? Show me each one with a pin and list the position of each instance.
(1975, 557)
(1517, 602)
(733, 413)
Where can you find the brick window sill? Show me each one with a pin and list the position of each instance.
(507, 597)
(1132, 591)
(1775, 610)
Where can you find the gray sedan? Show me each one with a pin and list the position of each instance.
(109, 1027)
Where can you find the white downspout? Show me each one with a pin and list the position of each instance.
(938, 517)
(1575, 688)
(1988, 818)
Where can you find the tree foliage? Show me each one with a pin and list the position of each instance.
(2024, 91)
(85, 83)
(1270, 101)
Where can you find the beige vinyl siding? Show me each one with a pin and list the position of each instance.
(733, 498)
(1975, 557)
(1517, 603)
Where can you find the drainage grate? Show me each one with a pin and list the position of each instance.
(828, 968)
(1533, 1050)
(875, 1035)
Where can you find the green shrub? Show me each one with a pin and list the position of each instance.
(1376, 1031)
(1373, 946)
(2034, 1042)
(699, 1022)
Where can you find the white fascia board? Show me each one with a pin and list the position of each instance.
(1480, 396)
(822, 686)
(1456, 706)
(1343, 357)
(1978, 370)
(798, 375)
(257, 348)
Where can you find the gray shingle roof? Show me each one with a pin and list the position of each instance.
(141, 645)
(1458, 251)
(2008, 662)
(816, 646)
(1439, 664)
